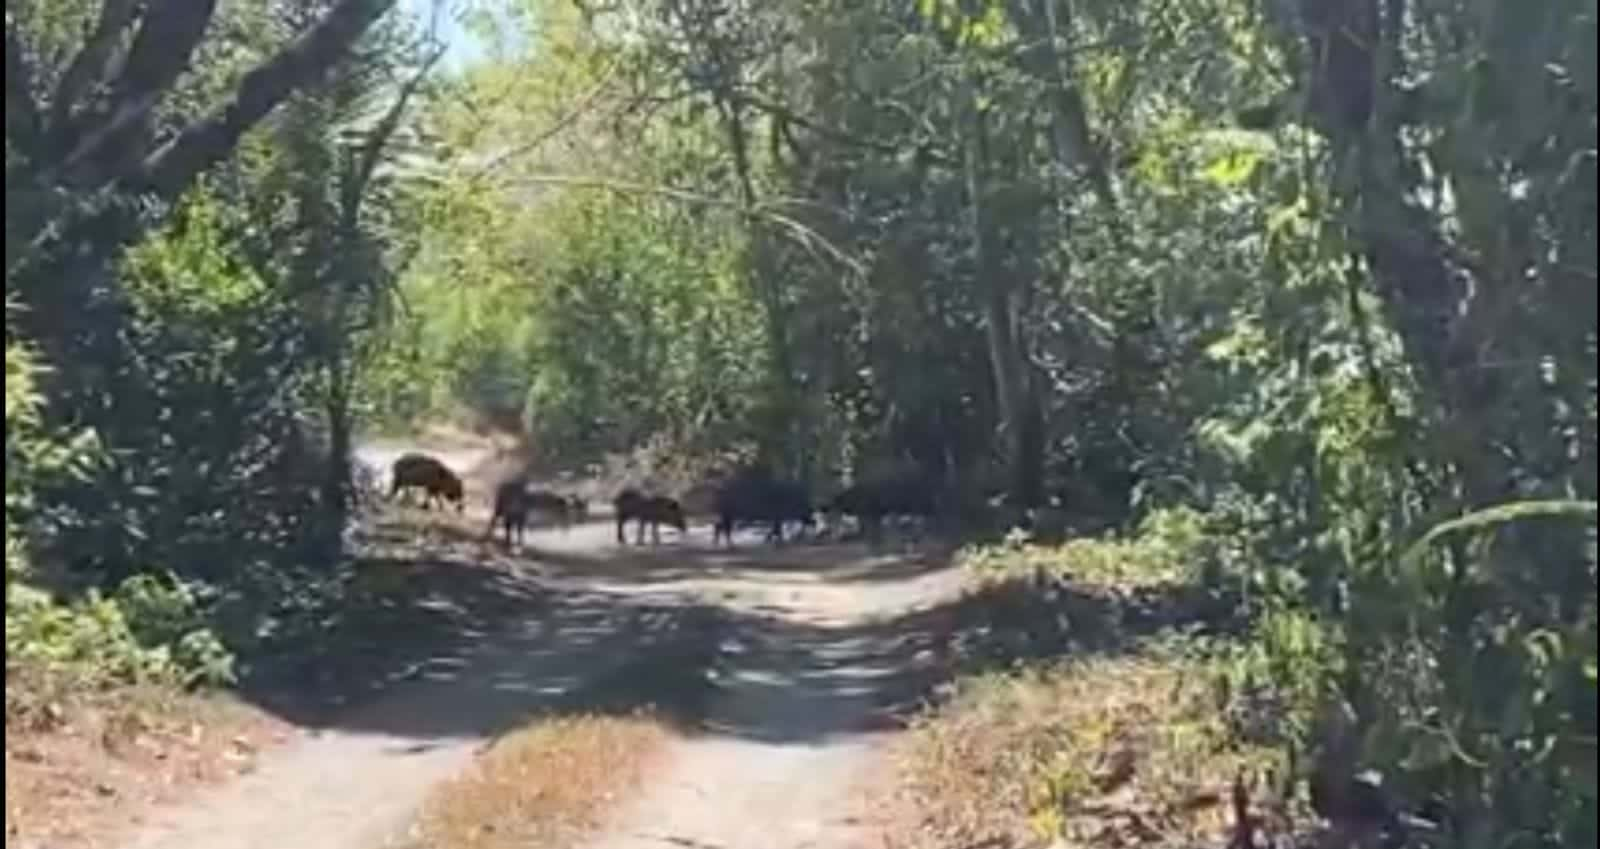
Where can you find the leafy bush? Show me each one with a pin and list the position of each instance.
(149, 630)
(1170, 545)
(164, 613)
(35, 455)
(56, 651)
(184, 455)
(1271, 685)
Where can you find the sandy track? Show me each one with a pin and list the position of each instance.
(351, 784)
(820, 641)
(348, 789)
(810, 675)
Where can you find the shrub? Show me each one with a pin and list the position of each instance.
(147, 632)
(150, 630)
(1170, 545)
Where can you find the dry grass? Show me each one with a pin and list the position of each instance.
(112, 757)
(1106, 752)
(1123, 745)
(544, 785)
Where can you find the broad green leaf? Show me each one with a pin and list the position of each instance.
(1233, 168)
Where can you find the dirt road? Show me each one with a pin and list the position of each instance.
(820, 644)
(828, 649)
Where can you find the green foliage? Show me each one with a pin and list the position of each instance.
(145, 632)
(36, 455)
(177, 478)
(1272, 684)
(597, 317)
(165, 613)
(148, 630)
(200, 418)
(1171, 545)
(641, 325)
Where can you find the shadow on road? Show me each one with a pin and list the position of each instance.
(465, 638)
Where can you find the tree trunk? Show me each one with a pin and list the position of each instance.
(340, 365)
(777, 435)
(1071, 139)
(1428, 297)
(1020, 422)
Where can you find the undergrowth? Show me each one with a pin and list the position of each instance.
(1095, 752)
(149, 631)
(1113, 689)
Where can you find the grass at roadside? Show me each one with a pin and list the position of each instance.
(1087, 711)
(1096, 752)
(546, 783)
(543, 785)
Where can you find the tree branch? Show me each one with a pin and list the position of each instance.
(372, 150)
(92, 63)
(168, 34)
(22, 111)
(566, 120)
(1073, 137)
(167, 37)
(172, 167)
(784, 113)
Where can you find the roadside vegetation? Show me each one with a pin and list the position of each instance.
(1107, 695)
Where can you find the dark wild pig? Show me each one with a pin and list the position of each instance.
(652, 510)
(872, 501)
(758, 498)
(419, 471)
(511, 505)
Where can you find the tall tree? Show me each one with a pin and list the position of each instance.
(88, 155)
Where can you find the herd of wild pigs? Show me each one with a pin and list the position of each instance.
(749, 497)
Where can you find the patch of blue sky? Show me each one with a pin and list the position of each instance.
(465, 27)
